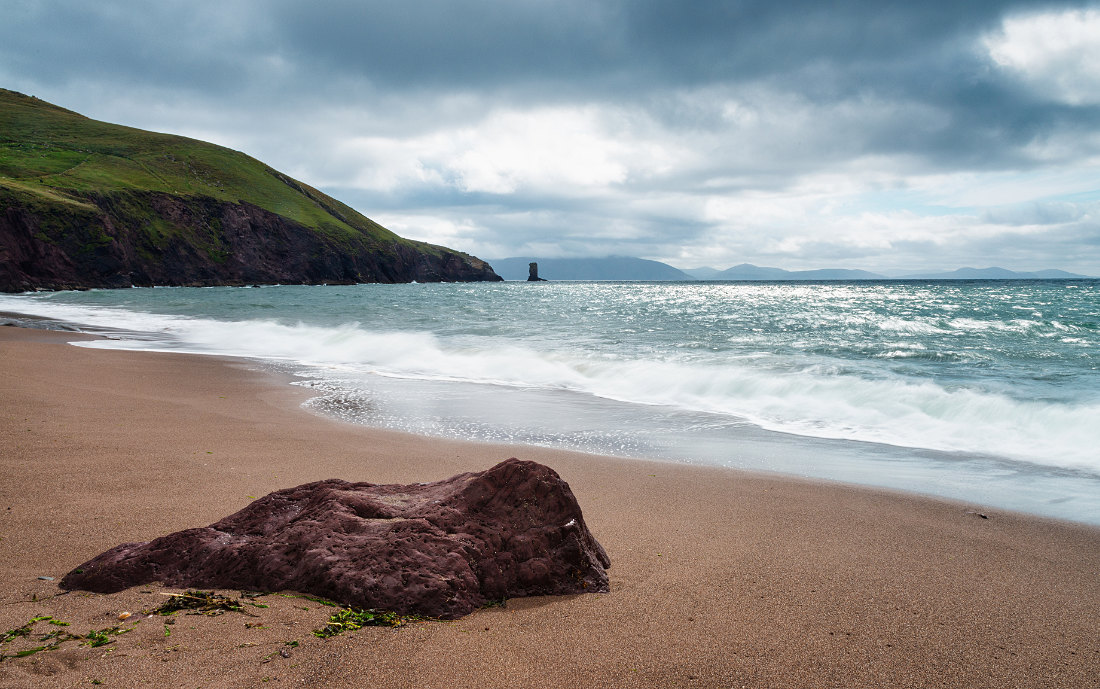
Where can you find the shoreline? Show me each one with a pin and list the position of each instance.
(720, 577)
(1040, 479)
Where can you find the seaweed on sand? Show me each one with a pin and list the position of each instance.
(199, 603)
(56, 637)
(350, 619)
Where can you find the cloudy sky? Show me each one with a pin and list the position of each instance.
(883, 135)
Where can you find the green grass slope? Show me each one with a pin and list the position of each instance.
(55, 162)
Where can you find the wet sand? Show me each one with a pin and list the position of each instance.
(719, 578)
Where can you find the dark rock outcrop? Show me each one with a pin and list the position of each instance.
(438, 549)
(533, 273)
(153, 238)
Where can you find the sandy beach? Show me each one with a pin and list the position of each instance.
(719, 578)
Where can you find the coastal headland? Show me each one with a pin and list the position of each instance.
(719, 578)
(91, 204)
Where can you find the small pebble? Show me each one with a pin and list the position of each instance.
(46, 578)
(124, 615)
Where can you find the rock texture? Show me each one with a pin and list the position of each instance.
(438, 549)
(105, 242)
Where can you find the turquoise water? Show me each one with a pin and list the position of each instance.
(987, 392)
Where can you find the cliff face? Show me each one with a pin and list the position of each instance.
(92, 204)
(151, 238)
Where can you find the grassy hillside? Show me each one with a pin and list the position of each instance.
(54, 152)
(88, 203)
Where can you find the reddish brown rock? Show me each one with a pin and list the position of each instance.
(438, 549)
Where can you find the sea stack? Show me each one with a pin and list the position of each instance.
(533, 272)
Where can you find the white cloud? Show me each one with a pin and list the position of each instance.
(759, 139)
(540, 149)
(876, 154)
(569, 151)
(972, 190)
(428, 227)
(1056, 53)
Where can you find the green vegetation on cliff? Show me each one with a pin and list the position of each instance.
(164, 209)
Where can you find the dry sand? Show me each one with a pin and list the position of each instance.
(719, 578)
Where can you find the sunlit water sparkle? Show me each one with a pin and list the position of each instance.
(981, 391)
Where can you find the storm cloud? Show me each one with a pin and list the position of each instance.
(877, 135)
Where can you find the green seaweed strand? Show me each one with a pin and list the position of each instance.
(94, 637)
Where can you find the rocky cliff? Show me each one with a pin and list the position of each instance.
(89, 204)
(152, 238)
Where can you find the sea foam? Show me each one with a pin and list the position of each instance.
(782, 379)
(818, 401)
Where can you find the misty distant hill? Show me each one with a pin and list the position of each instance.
(703, 273)
(609, 268)
(747, 271)
(627, 268)
(993, 274)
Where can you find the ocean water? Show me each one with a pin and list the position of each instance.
(984, 391)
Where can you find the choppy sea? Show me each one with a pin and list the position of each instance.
(983, 391)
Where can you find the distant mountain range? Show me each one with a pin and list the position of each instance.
(747, 271)
(626, 268)
(993, 274)
(609, 268)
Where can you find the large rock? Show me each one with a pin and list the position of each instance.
(438, 549)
